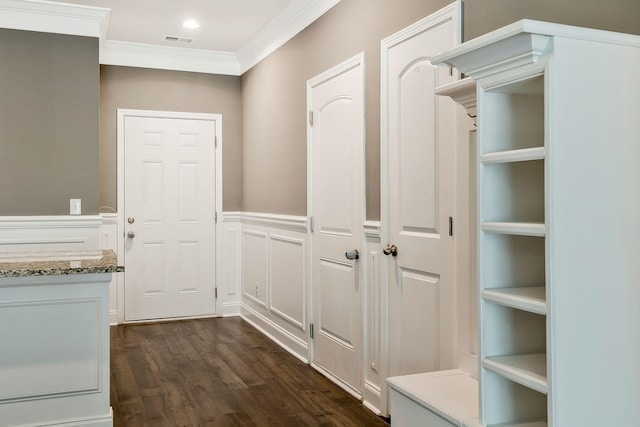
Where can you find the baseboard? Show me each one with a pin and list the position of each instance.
(284, 339)
(372, 398)
(337, 381)
(105, 421)
(113, 317)
(231, 309)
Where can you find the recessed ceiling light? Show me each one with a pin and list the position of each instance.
(191, 24)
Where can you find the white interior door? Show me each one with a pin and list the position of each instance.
(417, 153)
(336, 147)
(169, 227)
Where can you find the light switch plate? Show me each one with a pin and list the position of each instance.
(75, 206)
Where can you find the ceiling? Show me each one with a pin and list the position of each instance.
(225, 25)
(234, 35)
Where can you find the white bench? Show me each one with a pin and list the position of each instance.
(434, 399)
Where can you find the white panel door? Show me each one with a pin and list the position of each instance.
(169, 218)
(336, 205)
(419, 151)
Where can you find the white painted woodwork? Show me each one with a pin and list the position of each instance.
(54, 17)
(109, 240)
(170, 175)
(230, 288)
(375, 353)
(49, 233)
(336, 203)
(273, 257)
(463, 92)
(418, 195)
(434, 399)
(54, 363)
(558, 209)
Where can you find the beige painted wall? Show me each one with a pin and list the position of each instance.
(274, 92)
(274, 100)
(482, 16)
(49, 98)
(146, 89)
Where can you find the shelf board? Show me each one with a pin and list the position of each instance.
(529, 370)
(536, 229)
(529, 424)
(523, 155)
(531, 299)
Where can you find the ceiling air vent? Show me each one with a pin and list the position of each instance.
(176, 39)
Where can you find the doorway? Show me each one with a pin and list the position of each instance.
(169, 194)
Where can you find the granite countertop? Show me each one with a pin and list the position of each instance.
(55, 263)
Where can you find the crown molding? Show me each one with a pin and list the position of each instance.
(51, 17)
(80, 20)
(294, 18)
(168, 58)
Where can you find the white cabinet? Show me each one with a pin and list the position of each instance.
(558, 217)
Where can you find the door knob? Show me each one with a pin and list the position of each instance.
(131, 234)
(390, 250)
(352, 255)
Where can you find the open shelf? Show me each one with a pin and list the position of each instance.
(530, 298)
(534, 229)
(513, 191)
(529, 370)
(510, 156)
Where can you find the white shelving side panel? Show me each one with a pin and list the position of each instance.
(510, 156)
(530, 299)
(529, 370)
(535, 229)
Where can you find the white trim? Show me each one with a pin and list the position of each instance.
(273, 330)
(168, 58)
(62, 221)
(54, 17)
(231, 309)
(109, 240)
(217, 118)
(289, 221)
(372, 393)
(337, 381)
(294, 18)
(371, 229)
(80, 20)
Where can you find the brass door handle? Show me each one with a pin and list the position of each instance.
(390, 250)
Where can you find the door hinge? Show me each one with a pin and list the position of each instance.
(215, 291)
(311, 330)
(450, 226)
(215, 218)
(215, 141)
(451, 71)
(311, 223)
(310, 118)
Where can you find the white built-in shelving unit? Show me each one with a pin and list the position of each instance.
(558, 219)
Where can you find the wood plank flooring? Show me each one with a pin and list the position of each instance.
(219, 372)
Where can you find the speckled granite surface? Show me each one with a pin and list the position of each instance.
(58, 263)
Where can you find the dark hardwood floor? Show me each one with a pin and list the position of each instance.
(219, 372)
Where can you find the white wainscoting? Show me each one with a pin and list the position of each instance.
(109, 240)
(374, 324)
(54, 363)
(46, 233)
(231, 284)
(269, 277)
